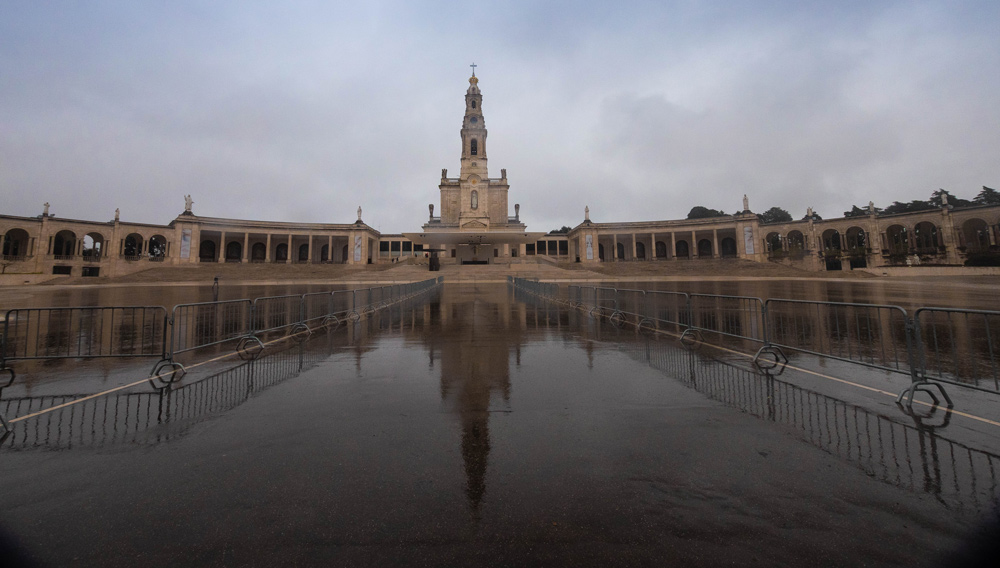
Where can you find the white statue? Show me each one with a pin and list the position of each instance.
(746, 203)
(188, 202)
(45, 213)
(586, 212)
(944, 199)
(359, 213)
(117, 213)
(809, 212)
(871, 207)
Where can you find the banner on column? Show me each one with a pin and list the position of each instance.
(748, 239)
(590, 247)
(357, 248)
(186, 243)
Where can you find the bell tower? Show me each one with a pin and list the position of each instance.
(473, 132)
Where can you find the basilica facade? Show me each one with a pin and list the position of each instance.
(474, 225)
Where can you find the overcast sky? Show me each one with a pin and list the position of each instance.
(303, 111)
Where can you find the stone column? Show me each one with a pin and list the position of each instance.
(310, 249)
(289, 255)
(672, 253)
(246, 247)
(222, 247)
(635, 256)
(716, 253)
(693, 249)
(614, 246)
(267, 249)
(652, 247)
(329, 249)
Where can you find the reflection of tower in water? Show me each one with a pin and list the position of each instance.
(474, 345)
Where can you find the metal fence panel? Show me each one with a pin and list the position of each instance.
(209, 323)
(960, 346)
(83, 332)
(869, 334)
(733, 316)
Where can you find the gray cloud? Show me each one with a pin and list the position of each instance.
(640, 110)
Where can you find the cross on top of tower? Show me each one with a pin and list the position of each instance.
(473, 69)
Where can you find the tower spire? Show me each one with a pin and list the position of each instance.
(473, 68)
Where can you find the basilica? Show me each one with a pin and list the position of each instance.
(474, 225)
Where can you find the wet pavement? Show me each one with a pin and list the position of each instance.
(482, 428)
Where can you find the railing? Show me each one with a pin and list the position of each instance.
(83, 332)
(203, 324)
(911, 456)
(147, 331)
(15, 257)
(960, 347)
(934, 346)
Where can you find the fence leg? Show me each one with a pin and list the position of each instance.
(923, 385)
(771, 352)
(166, 371)
(3, 419)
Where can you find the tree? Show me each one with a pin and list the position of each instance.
(860, 211)
(564, 229)
(815, 217)
(988, 196)
(937, 199)
(915, 205)
(775, 215)
(699, 212)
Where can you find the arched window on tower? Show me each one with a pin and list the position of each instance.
(475, 147)
(473, 103)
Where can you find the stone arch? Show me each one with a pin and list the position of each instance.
(773, 241)
(234, 251)
(132, 246)
(281, 252)
(831, 240)
(857, 239)
(727, 247)
(620, 251)
(976, 235)
(206, 251)
(157, 246)
(303, 252)
(926, 237)
(661, 249)
(64, 243)
(682, 250)
(640, 250)
(796, 241)
(258, 252)
(324, 253)
(897, 239)
(93, 246)
(15, 243)
(705, 248)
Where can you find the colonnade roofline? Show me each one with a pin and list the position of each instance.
(282, 225)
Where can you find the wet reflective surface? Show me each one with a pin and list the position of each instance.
(483, 427)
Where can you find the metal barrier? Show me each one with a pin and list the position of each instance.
(936, 345)
(273, 313)
(873, 335)
(147, 331)
(82, 333)
(960, 347)
(203, 324)
(733, 316)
